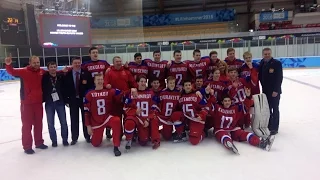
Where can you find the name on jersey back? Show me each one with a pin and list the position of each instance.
(142, 96)
(226, 111)
(186, 99)
(96, 67)
(100, 94)
(202, 64)
(169, 97)
(178, 69)
(156, 65)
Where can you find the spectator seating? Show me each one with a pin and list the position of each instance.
(162, 31)
(278, 25)
(312, 25)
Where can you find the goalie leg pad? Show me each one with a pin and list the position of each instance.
(260, 119)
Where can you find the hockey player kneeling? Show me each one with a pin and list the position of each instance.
(98, 105)
(226, 129)
(140, 111)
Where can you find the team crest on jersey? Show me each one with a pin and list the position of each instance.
(271, 70)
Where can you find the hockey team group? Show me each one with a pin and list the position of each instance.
(148, 100)
(187, 98)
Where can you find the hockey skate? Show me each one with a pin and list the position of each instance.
(177, 138)
(156, 144)
(116, 151)
(266, 144)
(128, 145)
(108, 134)
(231, 147)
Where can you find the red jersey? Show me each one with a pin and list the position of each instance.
(224, 78)
(157, 70)
(146, 101)
(98, 105)
(95, 67)
(246, 72)
(219, 88)
(197, 69)
(179, 71)
(156, 91)
(236, 63)
(227, 118)
(168, 102)
(138, 69)
(193, 106)
(212, 66)
(120, 78)
(238, 93)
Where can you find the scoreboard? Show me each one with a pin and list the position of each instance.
(12, 21)
(13, 31)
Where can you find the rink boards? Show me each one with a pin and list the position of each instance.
(287, 62)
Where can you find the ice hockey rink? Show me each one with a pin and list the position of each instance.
(294, 155)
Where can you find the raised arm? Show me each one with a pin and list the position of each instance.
(12, 71)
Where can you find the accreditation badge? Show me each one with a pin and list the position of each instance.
(55, 97)
(271, 70)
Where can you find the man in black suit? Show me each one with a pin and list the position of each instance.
(77, 83)
(271, 76)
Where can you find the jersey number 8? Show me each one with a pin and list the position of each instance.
(101, 104)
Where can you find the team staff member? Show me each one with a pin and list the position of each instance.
(77, 83)
(31, 102)
(120, 78)
(271, 76)
(53, 96)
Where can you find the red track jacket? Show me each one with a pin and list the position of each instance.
(120, 79)
(30, 79)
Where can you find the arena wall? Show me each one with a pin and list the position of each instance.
(278, 51)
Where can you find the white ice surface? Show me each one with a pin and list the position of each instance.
(294, 156)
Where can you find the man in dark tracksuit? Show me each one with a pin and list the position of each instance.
(54, 98)
(31, 102)
(271, 76)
